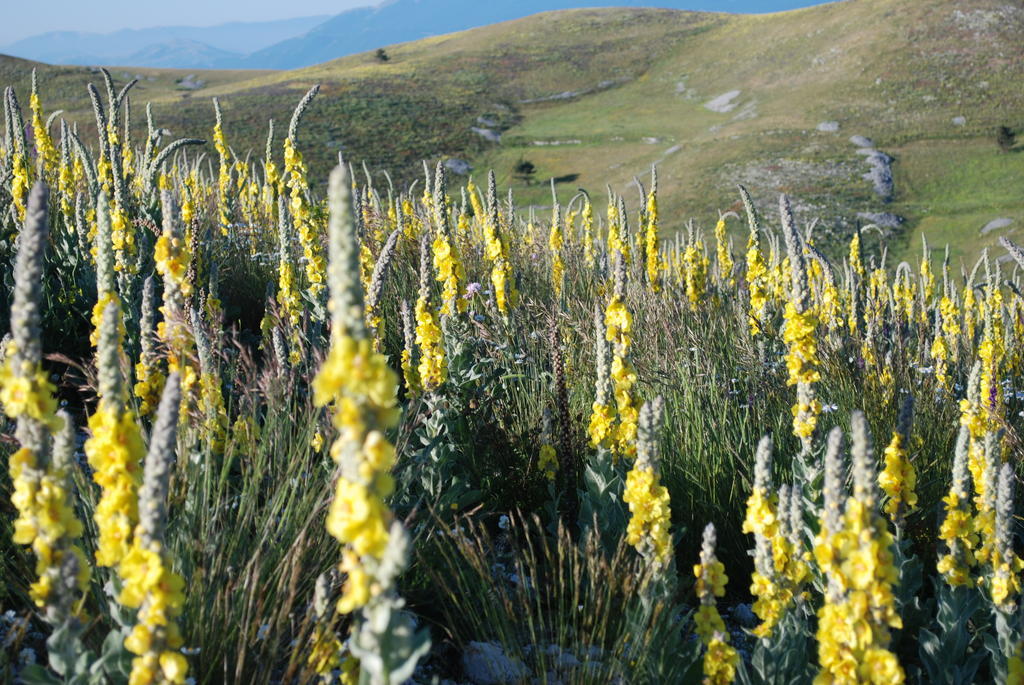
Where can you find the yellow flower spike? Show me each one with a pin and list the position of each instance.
(720, 658)
(39, 469)
(723, 256)
(358, 384)
(855, 553)
(899, 478)
(148, 581)
(652, 262)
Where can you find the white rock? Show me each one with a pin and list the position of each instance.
(457, 166)
(883, 219)
(995, 224)
(486, 134)
(828, 126)
(861, 141)
(724, 102)
(485, 663)
(959, 121)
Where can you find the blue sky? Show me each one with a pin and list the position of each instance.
(23, 18)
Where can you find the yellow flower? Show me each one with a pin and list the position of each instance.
(356, 518)
(650, 513)
(432, 365)
(898, 479)
(548, 462)
(601, 427)
(115, 452)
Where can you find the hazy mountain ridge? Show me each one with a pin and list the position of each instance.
(303, 42)
(399, 21)
(222, 46)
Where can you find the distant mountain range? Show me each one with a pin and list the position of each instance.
(294, 43)
(223, 46)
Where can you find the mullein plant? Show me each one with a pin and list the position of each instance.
(723, 257)
(619, 332)
(856, 555)
(762, 520)
(21, 174)
(410, 367)
(294, 181)
(361, 388)
(650, 523)
(211, 398)
(432, 367)
(898, 479)
(106, 283)
(721, 660)
(374, 321)
(556, 239)
(652, 261)
(695, 269)
(447, 260)
(547, 459)
(957, 529)
(757, 270)
(149, 583)
(496, 249)
(289, 306)
(148, 371)
(39, 468)
(173, 260)
(587, 220)
(114, 448)
(798, 334)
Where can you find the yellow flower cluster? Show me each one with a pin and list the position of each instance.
(722, 254)
(803, 365)
(650, 525)
(172, 258)
(853, 628)
(122, 236)
(651, 255)
(496, 251)
(20, 181)
(548, 461)
(619, 324)
(957, 531)
(601, 428)
(720, 658)
(757, 274)
(695, 270)
(215, 421)
(152, 587)
(115, 452)
(295, 181)
(899, 478)
(27, 392)
(588, 233)
(450, 274)
(148, 387)
(555, 240)
(223, 176)
(44, 144)
(362, 387)
(432, 366)
(46, 521)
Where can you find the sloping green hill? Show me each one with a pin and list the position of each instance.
(597, 96)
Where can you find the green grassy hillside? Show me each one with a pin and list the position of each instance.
(595, 97)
